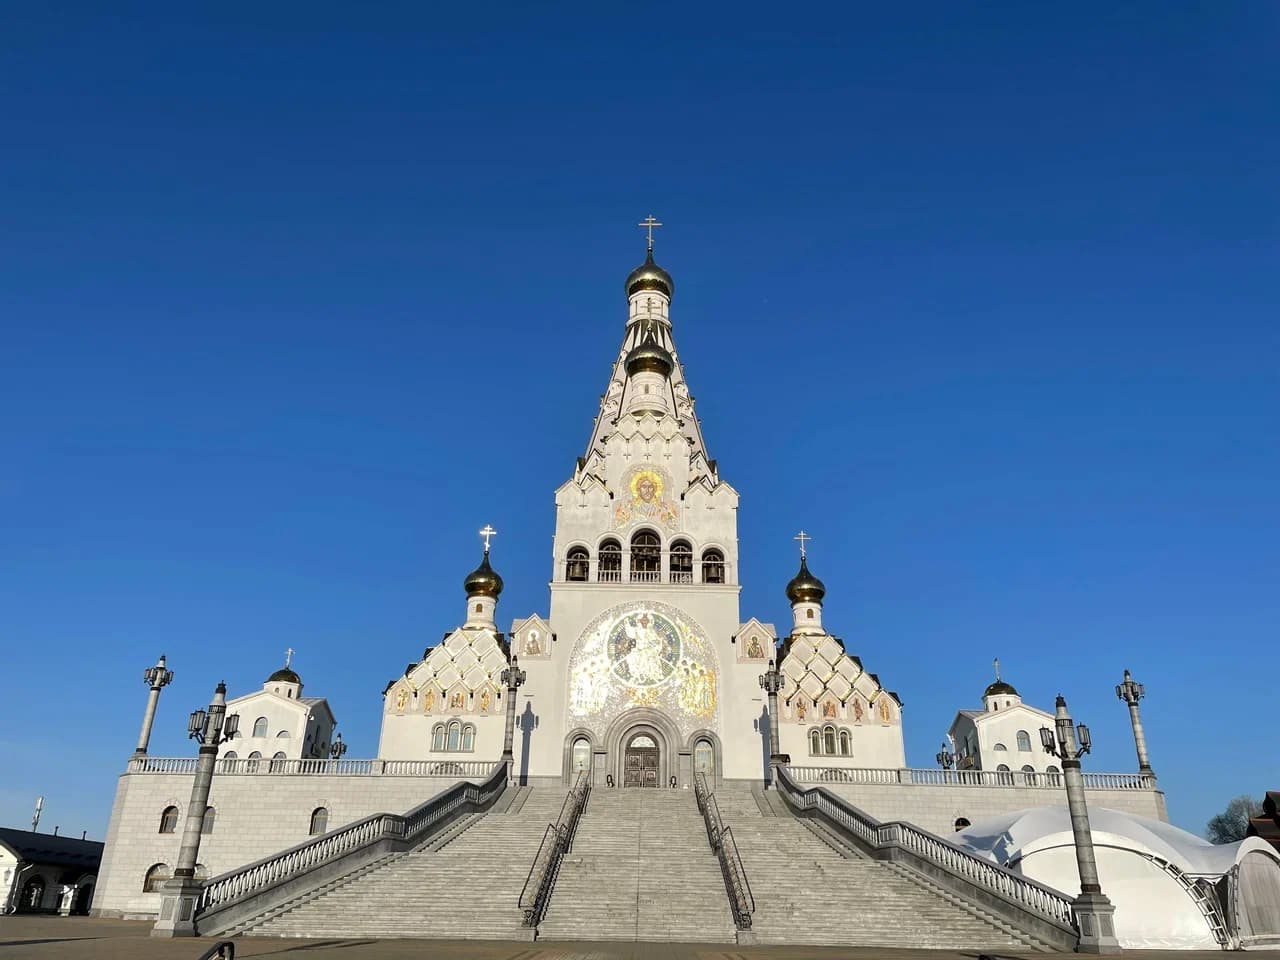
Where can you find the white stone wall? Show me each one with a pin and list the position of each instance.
(257, 815)
(308, 727)
(936, 808)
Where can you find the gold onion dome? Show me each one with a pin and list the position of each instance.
(805, 587)
(649, 356)
(1000, 687)
(650, 276)
(284, 675)
(483, 581)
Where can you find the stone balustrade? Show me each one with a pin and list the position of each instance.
(967, 778)
(240, 766)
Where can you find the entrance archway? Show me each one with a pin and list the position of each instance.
(641, 761)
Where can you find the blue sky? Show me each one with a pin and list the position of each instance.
(295, 299)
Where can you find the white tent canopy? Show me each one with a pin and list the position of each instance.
(1160, 878)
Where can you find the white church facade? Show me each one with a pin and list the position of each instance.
(643, 673)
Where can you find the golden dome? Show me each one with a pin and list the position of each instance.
(805, 587)
(650, 276)
(483, 581)
(649, 356)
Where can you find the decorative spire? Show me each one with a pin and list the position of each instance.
(650, 276)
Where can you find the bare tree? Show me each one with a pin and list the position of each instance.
(1233, 823)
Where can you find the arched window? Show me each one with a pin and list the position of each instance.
(961, 823)
(646, 557)
(681, 562)
(260, 727)
(581, 754)
(846, 743)
(1029, 774)
(33, 893)
(319, 820)
(277, 762)
(468, 737)
(437, 737)
(609, 568)
(1024, 740)
(815, 742)
(229, 755)
(169, 820)
(206, 825)
(577, 564)
(703, 757)
(1003, 776)
(252, 765)
(155, 877)
(282, 735)
(455, 735)
(1000, 746)
(712, 566)
(1054, 775)
(829, 741)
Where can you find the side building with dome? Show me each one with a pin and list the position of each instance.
(644, 673)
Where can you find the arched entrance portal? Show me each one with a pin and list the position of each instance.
(641, 762)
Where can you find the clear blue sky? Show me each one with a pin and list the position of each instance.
(296, 297)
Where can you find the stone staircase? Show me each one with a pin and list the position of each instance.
(810, 888)
(641, 868)
(463, 884)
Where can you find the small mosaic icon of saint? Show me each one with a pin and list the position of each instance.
(534, 644)
(829, 710)
(858, 712)
(755, 649)
(429, 701)
(485, 700)
(402, 698)
(801, 712)
(456, 701)
(886, 711)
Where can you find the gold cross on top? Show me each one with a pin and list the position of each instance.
(804, 538)
(648, 224)
(488, 532)
(288, 656)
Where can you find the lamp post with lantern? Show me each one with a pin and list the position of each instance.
(211, 728)
(1094, 912)
(514, 678)
(771, 683)
(157, 678)
(1130, 691)
(946, 759)
(337, 749)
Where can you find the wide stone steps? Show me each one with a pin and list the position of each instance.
(808, 892)
(640, 869)
(462, 886)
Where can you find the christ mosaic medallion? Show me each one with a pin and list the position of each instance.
(643, 654)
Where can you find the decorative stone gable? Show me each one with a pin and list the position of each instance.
(822, 682)
(461, 675)
(532, 638)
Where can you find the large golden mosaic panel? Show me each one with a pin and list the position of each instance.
(644, 654)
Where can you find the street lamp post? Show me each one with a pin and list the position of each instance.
(1095, 914)
(337, 749)
(178, 904)
(157, 678)
(946, 759)
(771, 681)
(513, 677)
(1131, 692)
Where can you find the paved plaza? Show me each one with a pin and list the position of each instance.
(83, 938)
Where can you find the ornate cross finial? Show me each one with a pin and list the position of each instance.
(288, 656)
(996, 663)
(804, 539)
(488, 532)
(648, 224)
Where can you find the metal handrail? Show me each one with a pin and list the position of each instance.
(965, 868)
(258, 876)
(741, 900)
(557, 840)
